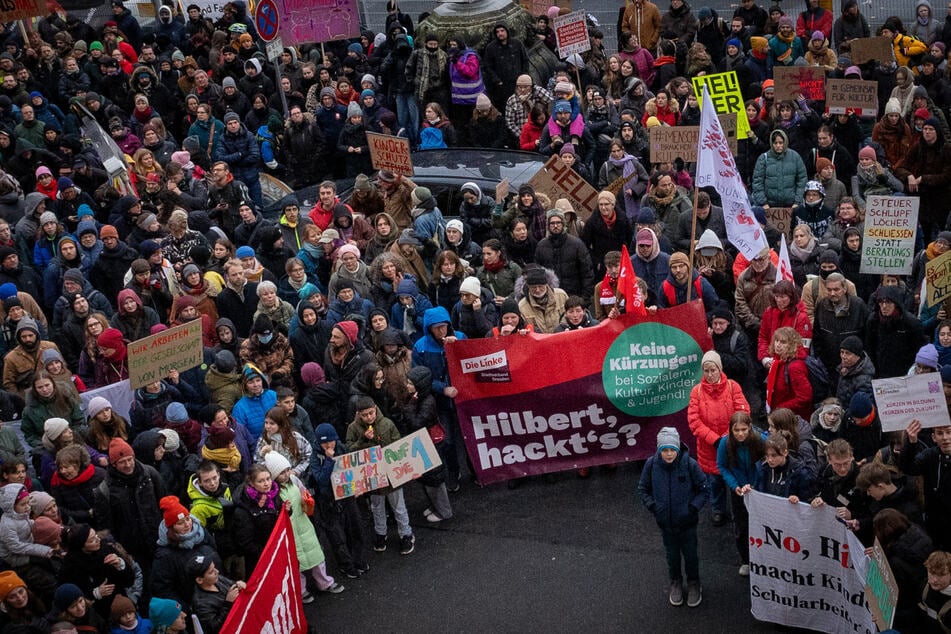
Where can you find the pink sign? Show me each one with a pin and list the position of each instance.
(305, 21)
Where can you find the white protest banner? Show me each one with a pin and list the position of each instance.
(801, 572)
(903, 398)
(716, 168)
(571, 34)
(888, 245)
(410, 457)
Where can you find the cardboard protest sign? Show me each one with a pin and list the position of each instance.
(390, 153)
(900, 399)
(410, 457)
(938, 278)
(617, 384)
(856, 95)
(888, 245)
(727, 96)
(307, 21)
(780, 218)
(152, 358)
(865, 49)
(801, 570)
(12, 10)
(881, 589)
(502, 190)
(670, 142)
(557, 180)
(791, 81)
(571, 34)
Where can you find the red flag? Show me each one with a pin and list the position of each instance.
(627, 286)
(272, 600)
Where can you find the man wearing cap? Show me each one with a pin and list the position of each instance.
(520, 103)
(926, 172)
(25, 278)
(669, 201)
(855, 370)
(893, 335)
(673, 291)
(505, 58)
(566, 256)
(815, 289)
(543, 306)
(837, 316)
(240, 151)
(345, 356)
(24, 360)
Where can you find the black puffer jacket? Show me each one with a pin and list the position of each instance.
(569, 259)
(133, 511)
(252, 527)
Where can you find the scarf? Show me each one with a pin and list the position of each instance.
(230, 457)
(629, 174)
(791, 122)
(496, 266)
(84, 476)
(800, 253)
(663, 60)
(271, 495)
(431, 65)
(609, 222)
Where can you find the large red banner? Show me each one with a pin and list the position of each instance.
(271, 604)
(540, 403)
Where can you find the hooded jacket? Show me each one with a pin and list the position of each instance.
(779, 178)
(673, 493)
(708, 415)
(16, 531)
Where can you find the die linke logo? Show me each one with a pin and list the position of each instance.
(489, 368)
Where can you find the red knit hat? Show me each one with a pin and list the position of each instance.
(172, 510)
(350, 329)
(108, 231)
(119, 449)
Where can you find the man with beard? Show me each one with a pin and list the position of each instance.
(504, 60)
(837, 316)
(233, 297)
(428, 72)
(225, 197)
(673, 291)
(71, 284)
(397, 197)
(23, 277)
(22, 363)
(815, 289)
(520, 103)
(567, 256)
(345, 356)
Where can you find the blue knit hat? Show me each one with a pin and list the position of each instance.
(8, 289)
(244, 252)
(175, 412)
(367, 93)
(65, 596)
(734, 42)
(163, 612)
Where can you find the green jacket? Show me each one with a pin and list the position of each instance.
(207, 509)
(384, 432)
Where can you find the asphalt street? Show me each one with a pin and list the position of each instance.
(547, 556)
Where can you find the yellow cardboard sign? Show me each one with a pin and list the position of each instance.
(725, 92)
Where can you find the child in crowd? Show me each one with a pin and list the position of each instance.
(674, 489)
(738, 452)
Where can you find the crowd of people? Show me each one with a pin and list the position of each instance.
(324, 329)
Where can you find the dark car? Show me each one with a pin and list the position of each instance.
(445, 171)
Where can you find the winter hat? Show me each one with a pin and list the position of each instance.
(785, 21)
(942, 235)
(349, 329)
(96, 405)
(348, 248)
(921, 113)
(759, 44)
(927, 356)
(172, 440)
(523, 80)
(721, 311)
(108, 231)
(66, 595)
(483, 102)
(9, 581)
(893, 106)
(263, 324)
(119, 449)
(568, 148)
(175, 413)
(861, 406)
(420, 195)
(456, 224)
(361, 183)
(818, 35)
(231, 116)
(734, 42)
(307, 290)
(652, 122)
(244, 252)
(121, 605)
(163, 612)
(679, 257)
(668, 438)
(562, 87)
(536, 276)
(225, 361)
(110, 338)
(276, 463)
(509, 307)
(228, 82)
(868, 152)
(822, 163)
(705, 13)
(853, 70)
(561, 106)
(219, 437)
(198, 566)
(53, 428)
(931, 122)
(711, 356)
(183, 158)
(353, 110)
(646, 216)
(645, 236)
(139, 266)
(172, 510)
(555, 213)
(39, 501)
(47, 216)
(471, 285)
(367, 93)
(45, 531)
(829, 257)
(312, 374)
(187, 270)
(853, 344)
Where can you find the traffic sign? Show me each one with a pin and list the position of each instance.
(266, 20)
(274, 49)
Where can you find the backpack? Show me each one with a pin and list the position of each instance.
(821, 458)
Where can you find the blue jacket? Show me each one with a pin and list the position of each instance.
(430, 353)
(241, 152)
(250, 411)
(671, 290)
(321, 467)
(421, 305)
(745, 470)
(338, 310)
(673, 492)
(789, 479)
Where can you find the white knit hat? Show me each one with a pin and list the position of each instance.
(276, 463)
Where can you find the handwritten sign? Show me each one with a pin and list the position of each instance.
(889, 242)
(307, 21)
(791, 81)
(867, 49)
(857, 95)
(670, 142)
(899, 400)
(727, 97)
(390, 153)
(410, 457)
(502, 190)
(938, 278)
(557, 180)
(781, 219)
(13, 10)
(571, 34)
(152, 358)
(881, 590)
(358, 472)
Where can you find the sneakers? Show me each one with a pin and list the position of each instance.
(407, 544)
(431, 517)
(336, 588)
(676, 593)
(352, 573)
(307, 597)
(694, 596)
(379, 543)
(745, 570)
(363, 568)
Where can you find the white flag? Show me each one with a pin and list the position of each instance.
(716, 167)
(784, 270)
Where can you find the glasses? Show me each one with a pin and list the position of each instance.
(555, 223)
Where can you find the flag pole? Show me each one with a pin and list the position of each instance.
(693, 240)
